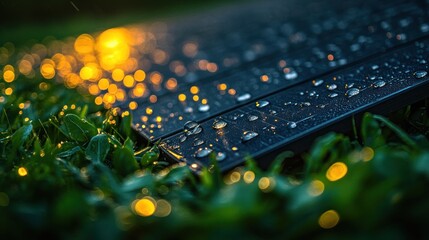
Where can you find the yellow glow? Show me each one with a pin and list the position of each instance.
(98, 100)
(103, 84)
(264, 78)
(93, 89)
(171, 84)
(139, 90)
(120, 95)
(139, 75)
(8, 91)
(86, 73)
(113, 47)
(221, 87)
(128, 81)
(47, 70)
(329, 219)
(118, 74)
(158, 119)
(265, 184)
(235, 177)
(84, 44)
(22, 171)
(336, 171)
(195, 98)
(8, 76)
(112, 88)
(133, 105)
(232, 91)
(145, 207)
(249, 177)
(149, 111)
(316, 188)
(182, 97)
(194, 90)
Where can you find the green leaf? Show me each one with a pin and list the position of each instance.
(125, 126)
(97, 148)
(150, 156)
(124, 161)
(21, 135)
(371, 131)
(78, 129)
(69, 152)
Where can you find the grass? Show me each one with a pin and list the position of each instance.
(70, 169)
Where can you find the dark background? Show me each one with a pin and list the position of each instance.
(21, 20)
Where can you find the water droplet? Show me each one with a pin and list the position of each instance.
(189, 110)
(204, 108)
(182, 138)
(379, 84)
(203, 152)
(252, 118)
(420, 74)
(332, 86)
(244, 97)
(350, 85)
(317, 82)
(198, 142)
(352, 92)
(375, 67)
(262, 103)
(219, 124)
(248, 135)
(190, 125)
(192, 128)
(220, 156)
(291, 75)
(332, 95)
(291, 125)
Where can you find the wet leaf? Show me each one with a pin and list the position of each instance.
(124, 161)
(77, 128)
(97, 149)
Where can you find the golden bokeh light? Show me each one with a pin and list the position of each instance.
(336, 171)
(113, 47)
(144, 207)
(329, 219)
(22, 171)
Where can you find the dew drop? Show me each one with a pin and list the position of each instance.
(192, 128)
(198, 142)
(248, 135)
(375, 67)
(317, 82)
(291, 75)
(262, 103)
(190, 125)
(252, 118)
(332, 87)
(203, 152)
(219, 124)
(243, 97)
(352, 92)
(204, 108)
(182, 138)
(379, 84)
(332, 95)
(420, 74)
(291, 125)
(220, 156)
